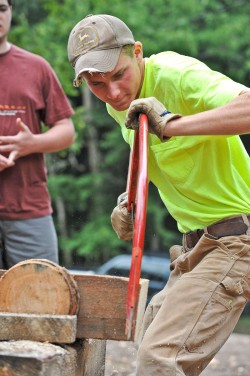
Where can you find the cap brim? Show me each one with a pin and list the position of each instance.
(96, 61)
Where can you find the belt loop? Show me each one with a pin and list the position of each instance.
(246, 221)
(185, 244)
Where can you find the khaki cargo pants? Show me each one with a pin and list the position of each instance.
(187, 323)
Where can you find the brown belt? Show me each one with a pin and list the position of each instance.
(227, 227)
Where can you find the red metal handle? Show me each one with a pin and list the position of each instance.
(137, 186)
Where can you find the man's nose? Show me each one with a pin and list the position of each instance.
(113, 91)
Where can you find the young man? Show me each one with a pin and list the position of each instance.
(202, 172)
(30, 93)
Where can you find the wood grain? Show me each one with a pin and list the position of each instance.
(43, 328)
(30, 358)
(102, 307)
(38, 286)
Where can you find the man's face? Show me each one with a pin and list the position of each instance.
(121, 86)
(5, 19)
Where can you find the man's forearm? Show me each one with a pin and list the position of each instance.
(233, 118)
(58, 137)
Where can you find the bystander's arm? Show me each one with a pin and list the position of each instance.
(59, 136)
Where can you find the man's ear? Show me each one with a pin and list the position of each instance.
(138, 51)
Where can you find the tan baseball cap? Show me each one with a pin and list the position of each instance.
(95, 44)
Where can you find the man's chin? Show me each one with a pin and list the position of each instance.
(120, 107)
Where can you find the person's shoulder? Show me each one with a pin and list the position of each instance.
(31, 57)
(172, 59)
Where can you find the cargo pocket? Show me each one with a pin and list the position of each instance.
(233, 288)
(218, 318)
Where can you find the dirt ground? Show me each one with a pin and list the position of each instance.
(232, 360)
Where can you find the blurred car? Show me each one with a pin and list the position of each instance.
(81, 272)
(154, 268)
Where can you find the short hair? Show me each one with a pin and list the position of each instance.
(128, 50)
(10, 2)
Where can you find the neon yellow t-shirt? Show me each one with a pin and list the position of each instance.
(201, 179)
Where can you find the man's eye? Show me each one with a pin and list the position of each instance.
(97, 83)
(4, 8)
(119, 75)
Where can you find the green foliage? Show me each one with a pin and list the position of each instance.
(96, 241)
(85, 180)
(74, 192)
(31, 12)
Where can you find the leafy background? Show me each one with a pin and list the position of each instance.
(85, 180)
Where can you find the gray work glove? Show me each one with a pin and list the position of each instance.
(121, 219)
(158, 116)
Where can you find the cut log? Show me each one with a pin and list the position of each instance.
(38, 287)
(91, 357)
(43, 328)
(102, 311)
(30, 358)
(102, 307)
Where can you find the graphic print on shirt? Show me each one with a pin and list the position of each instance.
(12, 110)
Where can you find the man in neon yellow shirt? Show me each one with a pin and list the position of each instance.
(202, 171)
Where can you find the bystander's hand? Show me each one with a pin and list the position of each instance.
(6, 162)
(18, 145)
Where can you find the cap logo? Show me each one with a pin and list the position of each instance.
(83, 37)
(84, 40)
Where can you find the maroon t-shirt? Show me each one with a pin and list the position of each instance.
(29, 89)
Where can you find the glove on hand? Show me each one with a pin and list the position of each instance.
(121, 219)
(158, 116)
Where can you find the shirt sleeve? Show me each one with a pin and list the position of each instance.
(57, 105)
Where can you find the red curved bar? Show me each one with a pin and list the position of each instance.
(137, 186)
